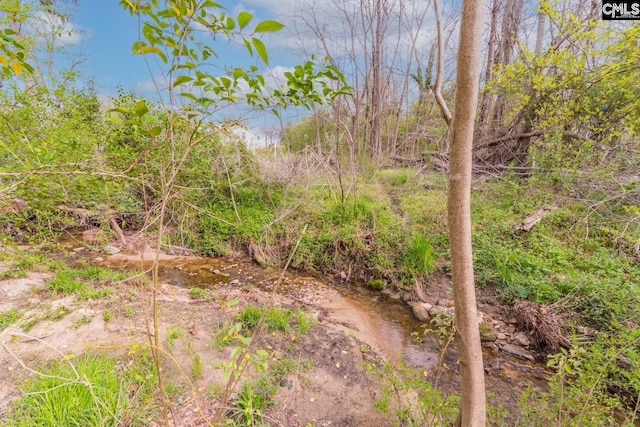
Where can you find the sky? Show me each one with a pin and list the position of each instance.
(103, 33)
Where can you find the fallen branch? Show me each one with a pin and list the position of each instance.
(531, 221)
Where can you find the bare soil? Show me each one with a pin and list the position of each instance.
(332, 389)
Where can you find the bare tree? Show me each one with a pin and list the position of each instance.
(472, 397)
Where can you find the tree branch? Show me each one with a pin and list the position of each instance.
(436, 88)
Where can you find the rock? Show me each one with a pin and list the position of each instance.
(111, 250)
(513, 321)
(437, 311)
(407, 296)
(376, 284)
(445, 303)
(421, 312)
(502, 336)
(488, 336)
(521, 339)
(517, 351)
(387, 292)
(395, 296)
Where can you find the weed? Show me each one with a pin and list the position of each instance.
(66, 282)
(197, 293)
(58, 313)
(173, 333)
(303, 321)
(9, 317)
(408, 399)
(87, 283)
(251, 404)
(222, 336)
(24, 262)
(30, 323)
(85, 392)
(106, 315)
(277, 319)
(250, 316)
(196, 366)
(84, 320)
(129, 311)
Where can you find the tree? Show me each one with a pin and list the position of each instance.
(473, 399)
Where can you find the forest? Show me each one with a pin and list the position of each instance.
(471, 165)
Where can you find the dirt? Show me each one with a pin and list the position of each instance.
(331, 390)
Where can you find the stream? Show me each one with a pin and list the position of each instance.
(385, 324)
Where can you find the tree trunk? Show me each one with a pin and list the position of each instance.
(472, 395)
(486, 103)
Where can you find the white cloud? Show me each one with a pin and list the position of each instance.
(65, 32)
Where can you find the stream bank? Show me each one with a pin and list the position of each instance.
(353, 326)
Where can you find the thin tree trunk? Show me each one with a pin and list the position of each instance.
(472, 395)
(540, 32)
(486, 103)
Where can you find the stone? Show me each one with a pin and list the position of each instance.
(395, 296)
(518, 351)
(521, 339)
(502, 336)
(488, 336)
(446, 303)
(421, 312)
(437, 311)
(111, 250)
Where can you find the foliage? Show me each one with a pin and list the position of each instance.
(559, 258)
(9, 317)
(87, 283)
(86, 391)
(580, 391)
(407, 398)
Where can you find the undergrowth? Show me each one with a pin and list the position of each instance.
(90, 390)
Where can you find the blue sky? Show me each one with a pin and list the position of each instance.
(104, 32)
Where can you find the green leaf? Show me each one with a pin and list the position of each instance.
(261, 49)
(248, 46)
(140, 49)
(244, 18)
(155, 131)
(268, 27)
(182, 80)
(141, 109)
(122, 110)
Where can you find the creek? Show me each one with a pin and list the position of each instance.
(383, 323)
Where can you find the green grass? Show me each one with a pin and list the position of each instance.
(197, 293)
(274, 318)
(173, 333)
(277, 319)
(8, 318)
(303, 321)
(86, 283)
(24, 262)
(250, 316)
(87, 391)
